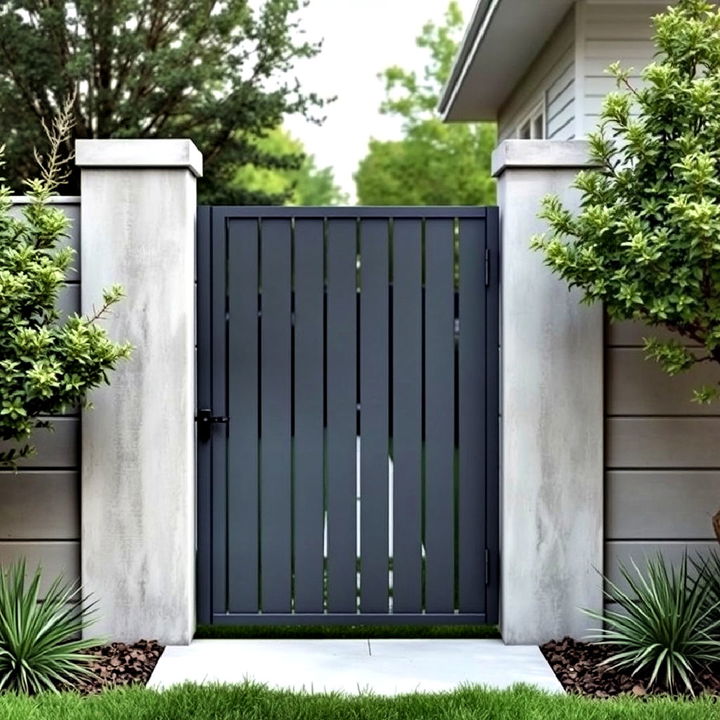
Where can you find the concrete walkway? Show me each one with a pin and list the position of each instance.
(384, 667)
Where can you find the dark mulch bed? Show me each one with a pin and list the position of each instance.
(577, 666)
(120, 664)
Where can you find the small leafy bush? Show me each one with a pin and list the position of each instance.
(665, 627)
(39, 645)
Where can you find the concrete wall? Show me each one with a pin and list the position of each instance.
(552, 412)
(138, 465)
(550, 81)
(40, 507)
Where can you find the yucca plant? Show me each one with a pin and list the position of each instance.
(665, 626)
(40, 647)
(710, 566)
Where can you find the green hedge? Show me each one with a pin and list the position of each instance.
(252, 702)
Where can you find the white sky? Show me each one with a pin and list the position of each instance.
(361, 39)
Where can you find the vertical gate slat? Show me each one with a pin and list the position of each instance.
(275, 383)
(242, 452)
(492, 415)
(407, 415)
(308, 512)
(471, 417)
(204, 400)
(219, 438)
(439, 416)
(374, 421)
(341, 414)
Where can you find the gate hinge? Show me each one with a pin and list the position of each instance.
(487, 267)
(206, 420)
(487, 566)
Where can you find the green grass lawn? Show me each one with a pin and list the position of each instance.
(336, 632)
(252, 702)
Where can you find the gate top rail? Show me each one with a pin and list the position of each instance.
(360, 211)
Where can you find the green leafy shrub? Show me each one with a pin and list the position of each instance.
(46, 365)
(39, 649)
(665, 626)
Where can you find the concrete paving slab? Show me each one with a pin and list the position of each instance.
(383, 667)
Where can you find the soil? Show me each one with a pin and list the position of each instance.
(577, 666)
(119, 664)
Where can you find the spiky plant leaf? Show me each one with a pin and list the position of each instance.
(40, 645)
(665, 627)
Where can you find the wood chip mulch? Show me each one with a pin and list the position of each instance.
(120, 664)
(577, 666)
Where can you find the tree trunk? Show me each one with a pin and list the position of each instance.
(716, 524)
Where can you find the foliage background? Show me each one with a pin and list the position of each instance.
(435, 163)
(213, 71)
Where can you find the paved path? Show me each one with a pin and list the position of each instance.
(384, 667)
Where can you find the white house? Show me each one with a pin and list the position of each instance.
(604, 457)
(537, 67)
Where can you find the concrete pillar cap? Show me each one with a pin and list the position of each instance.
(155, 153)
(540, 154)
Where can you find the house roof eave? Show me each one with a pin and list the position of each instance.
(502, 39)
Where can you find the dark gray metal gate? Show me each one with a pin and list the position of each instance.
(348, 415)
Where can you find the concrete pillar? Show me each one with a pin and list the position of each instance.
(138, 447)
(552, 411)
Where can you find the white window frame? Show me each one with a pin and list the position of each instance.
(529, 121)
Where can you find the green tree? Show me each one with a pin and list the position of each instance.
(646, 241)
(210, 70)
(303, 185)
(46, 364)
(435, 163)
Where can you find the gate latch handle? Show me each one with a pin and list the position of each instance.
(206, 420)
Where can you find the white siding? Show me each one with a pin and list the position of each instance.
(550, 81)
(612, 32)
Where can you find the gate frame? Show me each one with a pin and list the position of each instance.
(211, 222)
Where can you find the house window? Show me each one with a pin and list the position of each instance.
(533, 126)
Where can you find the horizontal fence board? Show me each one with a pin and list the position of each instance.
(40, 505)
(639, 386)
(631, 334)
(55, 449)
(617, 552)
(663, 442)
(661, 505)
(55, 559)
